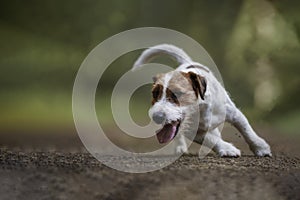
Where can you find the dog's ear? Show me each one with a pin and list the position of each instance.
(154, 78)
(198, 83)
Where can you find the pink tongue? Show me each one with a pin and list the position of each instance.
(167, 133)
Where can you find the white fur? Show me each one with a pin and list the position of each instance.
(215, 109)
(173, 112)
(178, 54)
(166, 83)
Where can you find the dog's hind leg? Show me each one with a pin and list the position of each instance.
(257, 145)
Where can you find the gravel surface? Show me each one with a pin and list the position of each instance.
(53, 175)
(55, 165)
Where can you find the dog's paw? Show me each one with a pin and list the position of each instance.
(229, 150)
(180, 149)
(261, 148)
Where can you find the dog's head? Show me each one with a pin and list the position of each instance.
(172, 93)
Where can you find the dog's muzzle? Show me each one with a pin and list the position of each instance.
(159, 117)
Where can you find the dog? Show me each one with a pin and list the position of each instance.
(192, 88)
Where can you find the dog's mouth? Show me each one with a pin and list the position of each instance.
(167, 132)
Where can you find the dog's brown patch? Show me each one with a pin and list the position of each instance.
(181, 88)
(172, 97)
(198, 83)
(157, 92)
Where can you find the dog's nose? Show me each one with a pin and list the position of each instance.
(159, 117)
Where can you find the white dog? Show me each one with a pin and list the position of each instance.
(176, 92)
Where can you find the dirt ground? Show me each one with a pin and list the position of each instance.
(54, 174)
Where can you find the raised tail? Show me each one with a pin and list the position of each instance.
(163, 49)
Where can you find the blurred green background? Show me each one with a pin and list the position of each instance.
(254, 43)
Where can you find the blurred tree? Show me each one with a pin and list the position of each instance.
(262, 35)
(255, 43)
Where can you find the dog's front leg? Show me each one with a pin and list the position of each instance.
(213, 140)
(257, 145)
(180, 144)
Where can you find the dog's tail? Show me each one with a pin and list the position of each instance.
(163, 49)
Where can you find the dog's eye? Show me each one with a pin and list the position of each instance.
(155, 93)
(173, 96)
(177, 94)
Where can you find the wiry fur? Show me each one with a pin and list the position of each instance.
(215, 108)
(173, 112)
